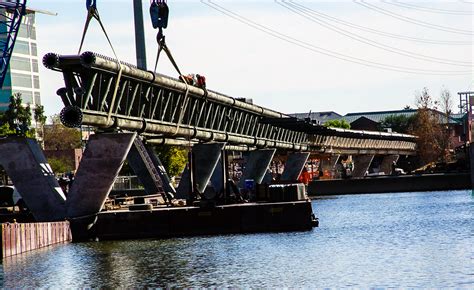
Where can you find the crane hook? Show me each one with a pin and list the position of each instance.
(159, 12)
(91, 4)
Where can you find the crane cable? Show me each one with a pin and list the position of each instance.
(93, 13)
(159, 18)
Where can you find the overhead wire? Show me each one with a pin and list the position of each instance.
(301, 12)
(413, 21)
(379, 32)
(427, 9)
(320, 50)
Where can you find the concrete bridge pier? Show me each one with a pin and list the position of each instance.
(198, 172)
(294, 166)
(361, 165)
(205, 160)
(218, 181)
(100, 165)
(256, 166)
(387, 161)
(184, 188)
(27, 167)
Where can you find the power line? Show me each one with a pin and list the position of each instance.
(323, 51)
(413, 21)
(383, 33)
(303, 13)
(427, 9)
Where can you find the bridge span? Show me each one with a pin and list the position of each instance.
(162, 108)
(134, 108)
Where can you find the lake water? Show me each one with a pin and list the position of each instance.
(386, 240)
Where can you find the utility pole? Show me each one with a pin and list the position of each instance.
(139, 34)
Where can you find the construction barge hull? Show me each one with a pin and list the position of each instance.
(388, 184)
(192, 221)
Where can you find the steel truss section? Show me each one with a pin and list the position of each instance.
(163, 109)
(158, 105)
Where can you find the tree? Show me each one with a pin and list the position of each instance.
(337, 124)
(59, 137)
(5, 129)
(446, 102)
(398, 123)
(61, 165)
(18, 118)
(173, 158)
(427, 128)
(40, 120)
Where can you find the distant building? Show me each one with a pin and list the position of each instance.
(364, 123)
(319, 117)
(23, 72)
(378, 116)
(372, 121)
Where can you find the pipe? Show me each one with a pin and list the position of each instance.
(190, 143)
(155, 127)
(54, 61)
(51, 60)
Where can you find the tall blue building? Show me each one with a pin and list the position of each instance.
(23, 72)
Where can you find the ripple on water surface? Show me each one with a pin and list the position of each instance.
(388, 240)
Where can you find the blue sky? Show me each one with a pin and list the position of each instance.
(242, 61)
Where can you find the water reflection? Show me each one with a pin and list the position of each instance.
(390, 240)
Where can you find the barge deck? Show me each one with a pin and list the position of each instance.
(188, 221)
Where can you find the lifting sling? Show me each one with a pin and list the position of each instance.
(92, 12)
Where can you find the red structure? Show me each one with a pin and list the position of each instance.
(21, 238)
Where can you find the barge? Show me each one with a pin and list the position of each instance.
(165, 222)
(385, 184)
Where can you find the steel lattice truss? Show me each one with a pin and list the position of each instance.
(10, 19)
(163, 108)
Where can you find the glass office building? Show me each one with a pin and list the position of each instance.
(23, 72)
